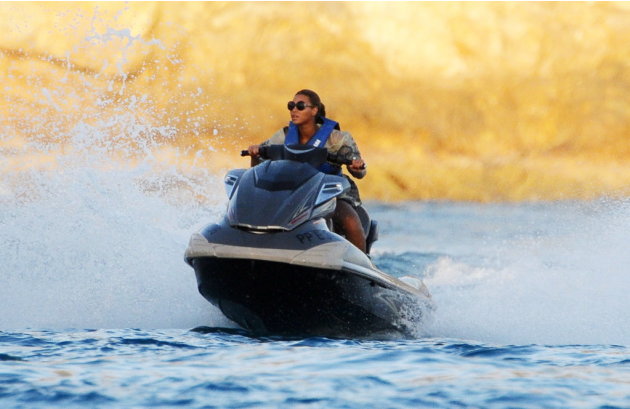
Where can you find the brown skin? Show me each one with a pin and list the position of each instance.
(348, 223)
(345, 218)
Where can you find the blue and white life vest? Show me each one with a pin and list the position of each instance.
(318, 140)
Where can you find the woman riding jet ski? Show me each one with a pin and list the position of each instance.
(275, 266)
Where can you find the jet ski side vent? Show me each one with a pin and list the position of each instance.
(231, 180)
(328, 191)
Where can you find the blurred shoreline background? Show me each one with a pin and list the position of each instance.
(470, 101)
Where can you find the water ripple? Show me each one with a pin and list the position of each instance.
(193, 369)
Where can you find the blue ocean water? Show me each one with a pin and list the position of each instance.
(129, 368)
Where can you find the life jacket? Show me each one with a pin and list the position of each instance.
(292, 137)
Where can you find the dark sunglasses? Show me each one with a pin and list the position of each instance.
(300, 105)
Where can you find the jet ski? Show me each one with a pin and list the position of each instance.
(274, 265)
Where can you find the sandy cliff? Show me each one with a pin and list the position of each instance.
(462, 101)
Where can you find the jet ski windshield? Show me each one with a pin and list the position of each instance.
(273, 175)
(298, 153)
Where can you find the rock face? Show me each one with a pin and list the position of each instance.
(464, 101)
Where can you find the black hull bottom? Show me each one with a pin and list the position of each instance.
(269, 298)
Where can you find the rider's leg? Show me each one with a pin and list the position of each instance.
(346, 218)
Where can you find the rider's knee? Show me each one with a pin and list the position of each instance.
(347, 217)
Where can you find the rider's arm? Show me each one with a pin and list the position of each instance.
(343, 139)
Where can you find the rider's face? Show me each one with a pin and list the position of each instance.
(307, 114)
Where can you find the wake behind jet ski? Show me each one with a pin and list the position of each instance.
(273, 265)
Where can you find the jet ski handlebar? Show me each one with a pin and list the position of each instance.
(275, 152)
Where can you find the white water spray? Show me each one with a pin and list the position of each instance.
(99, 243)
(569, 285)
